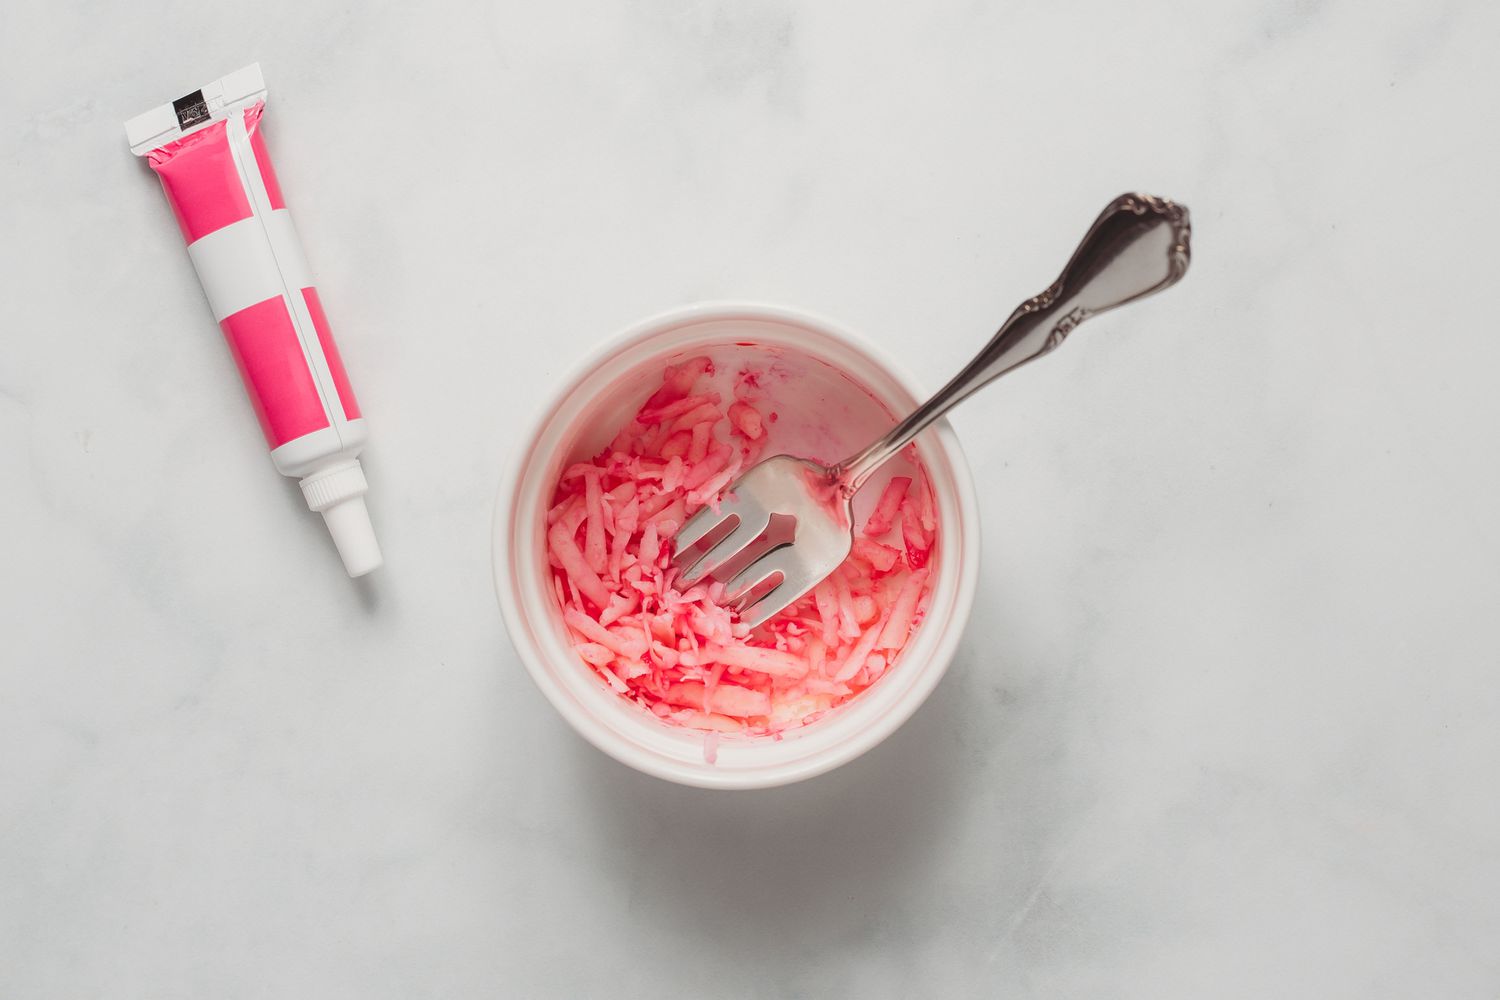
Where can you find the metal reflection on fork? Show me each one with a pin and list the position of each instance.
(786, 524)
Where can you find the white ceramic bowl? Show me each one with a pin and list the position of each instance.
(836, 393)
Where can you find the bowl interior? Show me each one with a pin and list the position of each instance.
(830, 396)
(814, 408)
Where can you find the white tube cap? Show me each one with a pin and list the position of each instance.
(338, 493)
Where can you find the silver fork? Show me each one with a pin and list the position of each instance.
(782, 527)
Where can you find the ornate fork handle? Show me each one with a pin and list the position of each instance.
(1137, 246)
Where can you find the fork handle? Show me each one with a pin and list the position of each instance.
(1139, 245)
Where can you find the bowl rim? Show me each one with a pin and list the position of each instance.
(533, 658)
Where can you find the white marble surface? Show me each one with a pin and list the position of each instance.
(1226, 723)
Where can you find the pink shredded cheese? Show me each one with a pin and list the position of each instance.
(680, 654)
(885, 509)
